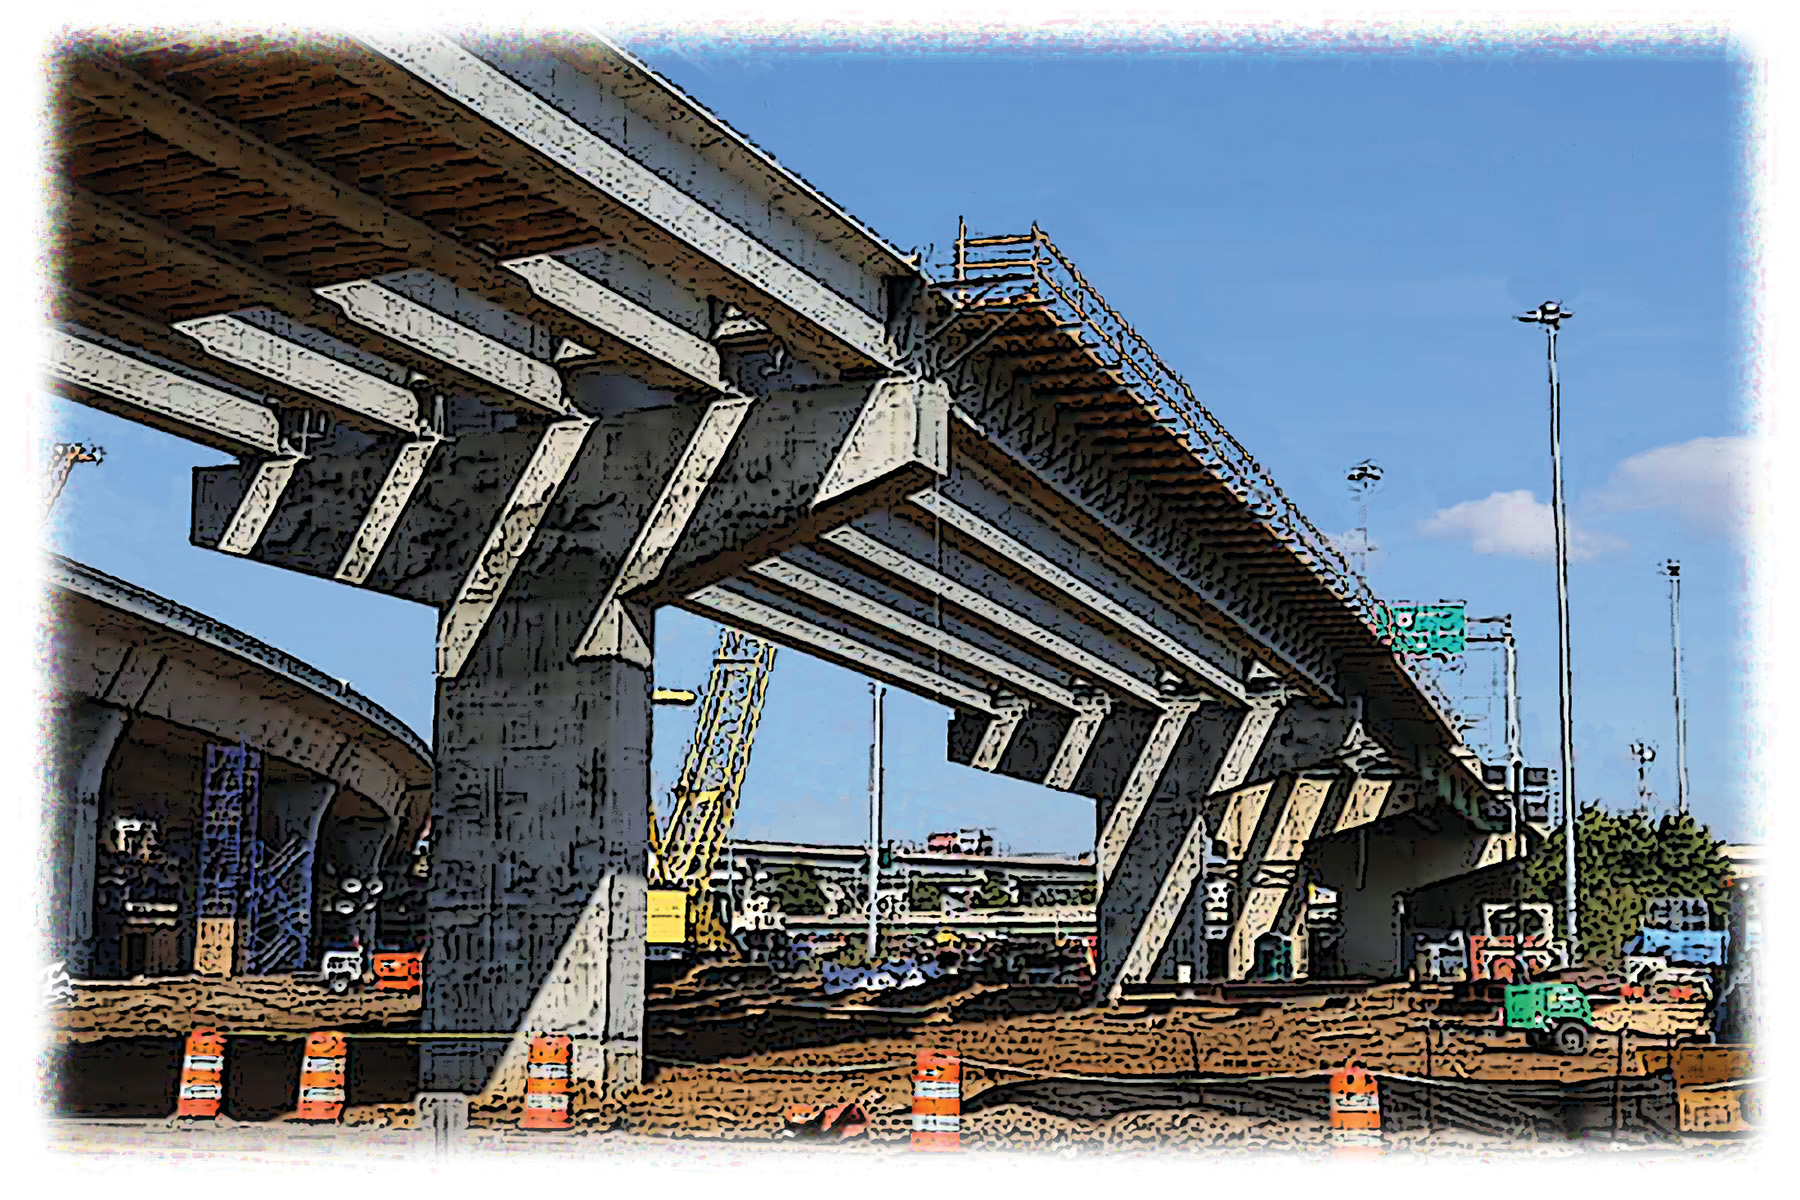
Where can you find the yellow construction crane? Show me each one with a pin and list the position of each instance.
(64, 456)
(685, 843)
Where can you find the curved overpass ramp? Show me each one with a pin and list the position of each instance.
(202, 782)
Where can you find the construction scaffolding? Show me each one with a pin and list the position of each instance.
(1102, 364)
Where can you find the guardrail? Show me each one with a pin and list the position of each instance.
(1029, 271)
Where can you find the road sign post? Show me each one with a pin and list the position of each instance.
(1439, 630)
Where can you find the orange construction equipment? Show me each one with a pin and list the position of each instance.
(547, 1082)
(1516, 943)
(63, 458)
(202, 1075)
(839, 1122)
(322, 1071)
(1355, 1108)
(399, 971)
(937, 1102)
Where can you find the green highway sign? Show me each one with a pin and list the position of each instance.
(1424, 628)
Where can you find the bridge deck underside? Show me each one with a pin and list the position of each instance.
(349, 169)
(1096, 413)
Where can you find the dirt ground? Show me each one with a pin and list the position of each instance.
(1384, 1027)
(178, 1006)
(727, 1062)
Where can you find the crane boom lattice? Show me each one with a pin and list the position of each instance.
(64, 458)
(687, 842)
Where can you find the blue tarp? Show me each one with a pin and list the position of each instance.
(1692, 947)
(898, 972)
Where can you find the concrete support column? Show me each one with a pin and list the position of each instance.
(1151, 843)
(293, 811)
(84, 736)
(1270, 887)
(539, 843)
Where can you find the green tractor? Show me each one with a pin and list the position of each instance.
(1555, 1016)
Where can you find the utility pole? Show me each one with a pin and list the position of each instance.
(878, 693)
(1551, 315)
(1672, 568)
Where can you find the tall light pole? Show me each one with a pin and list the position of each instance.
(1363, 476)
(877, 692)
(1551, 315)
(1515, 759)
(1672, 569)
(1645, 753)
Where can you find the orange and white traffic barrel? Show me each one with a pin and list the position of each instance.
(547, 1082)
(399, 971)
(937, 1102)
(322, 1071)
(1355, 1108)
(202, 1075)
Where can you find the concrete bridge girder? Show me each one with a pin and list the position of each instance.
(128, 649)
(1034, 429)
(557, 116)
(136, 670)
(1200, 781)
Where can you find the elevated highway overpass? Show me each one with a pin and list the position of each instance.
(515, 329)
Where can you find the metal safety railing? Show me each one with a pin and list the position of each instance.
(1027, 271)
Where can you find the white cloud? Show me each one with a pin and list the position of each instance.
(1705, 482)
(1513, 523)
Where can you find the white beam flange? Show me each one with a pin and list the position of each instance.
(738, 609)
(913, 571)
(999, 540)
(507, 542)
(519, 113)
(384, 511)
(1247, 740)
(246, 424)
(825, 592)
(999, 733)
(1089, 712)
(612, 633)
(577, 292)
(253, 512)
(237, 341)
(430, 332)
(1145, 773)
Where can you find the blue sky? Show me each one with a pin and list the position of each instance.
(1330, 250)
